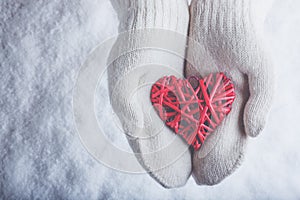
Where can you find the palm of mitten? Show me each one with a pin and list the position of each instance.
(134, 68)
(227, 41)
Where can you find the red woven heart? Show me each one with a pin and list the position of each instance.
(193, 110)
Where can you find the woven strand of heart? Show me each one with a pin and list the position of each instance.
(193, 110)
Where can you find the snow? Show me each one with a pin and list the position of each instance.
(43, 45)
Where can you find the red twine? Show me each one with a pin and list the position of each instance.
(193, 110)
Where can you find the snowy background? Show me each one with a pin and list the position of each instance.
(44, 43)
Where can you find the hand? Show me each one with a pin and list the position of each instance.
(129, 76)
(230, 33)
(231, 46)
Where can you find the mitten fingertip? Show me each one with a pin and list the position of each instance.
(252, 128)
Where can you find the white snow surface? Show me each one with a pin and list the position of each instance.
(44, 43)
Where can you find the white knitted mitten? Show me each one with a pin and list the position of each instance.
(131, 76)
(230, 32)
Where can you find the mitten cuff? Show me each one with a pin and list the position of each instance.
(164, 14)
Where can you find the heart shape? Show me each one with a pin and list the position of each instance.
(193, 107)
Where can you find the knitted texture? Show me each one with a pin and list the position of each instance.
(232, 39)
(135, 68)
(230, 33)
